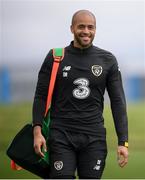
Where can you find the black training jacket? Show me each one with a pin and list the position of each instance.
(78, 98)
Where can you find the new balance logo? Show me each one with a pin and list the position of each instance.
(67, 68)
(99, 162)
(98, 165)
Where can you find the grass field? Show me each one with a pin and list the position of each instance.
(14, 116)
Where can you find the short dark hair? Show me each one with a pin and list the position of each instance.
(80, 12)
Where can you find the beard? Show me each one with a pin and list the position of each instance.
(83, 41)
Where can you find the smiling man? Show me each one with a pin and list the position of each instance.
(77, 133)
(84, 28)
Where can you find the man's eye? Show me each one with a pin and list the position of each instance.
(81, 27)
(91, 27)
(88, 27)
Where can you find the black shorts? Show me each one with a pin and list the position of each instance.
(71, 151)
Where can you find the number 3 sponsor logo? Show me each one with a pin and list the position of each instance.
(82, 91)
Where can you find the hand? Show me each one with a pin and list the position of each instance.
(122, 154)
(39, 141)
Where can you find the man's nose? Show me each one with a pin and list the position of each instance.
(86, 30)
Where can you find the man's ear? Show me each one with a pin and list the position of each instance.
(71, 28)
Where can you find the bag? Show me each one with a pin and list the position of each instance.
(21, 149)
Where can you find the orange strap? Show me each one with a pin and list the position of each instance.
(57, 60)
(14, 166)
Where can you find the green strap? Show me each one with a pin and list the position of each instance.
(58, 51)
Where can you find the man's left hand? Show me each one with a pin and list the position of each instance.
(122, 154)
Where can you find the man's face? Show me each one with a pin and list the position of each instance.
(84, 29)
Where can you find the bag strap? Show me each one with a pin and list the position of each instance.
(14, 166)
(58, 55)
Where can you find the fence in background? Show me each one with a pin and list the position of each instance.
(18, 84)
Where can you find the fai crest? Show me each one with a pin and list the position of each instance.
(58, 165)
(97, 70)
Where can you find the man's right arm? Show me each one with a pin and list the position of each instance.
(40, 103)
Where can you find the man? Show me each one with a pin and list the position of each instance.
(77, 134)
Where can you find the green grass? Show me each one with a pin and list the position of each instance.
(136, 164)
(14, 116)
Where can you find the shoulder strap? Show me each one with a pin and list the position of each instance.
(58, 55)
(58, 52)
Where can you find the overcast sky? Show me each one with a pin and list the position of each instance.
(29, 28)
